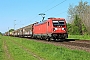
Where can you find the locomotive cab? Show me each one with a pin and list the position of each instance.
(59, 29)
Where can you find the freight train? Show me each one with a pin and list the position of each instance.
(52, 28)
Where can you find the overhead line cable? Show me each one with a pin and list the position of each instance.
(50, 8)
(60, 13)
(46, 6)
(55, 6)
(49, 4)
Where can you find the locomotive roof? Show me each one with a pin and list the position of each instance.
(56, 18)
(41, 22)
(48, 19)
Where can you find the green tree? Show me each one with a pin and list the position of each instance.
(78, 25)
(1, 33)
(11, 30)
(80, 17)
(84, 30)
(69, 28)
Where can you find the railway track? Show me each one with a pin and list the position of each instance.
(78, 43)
(72, 44)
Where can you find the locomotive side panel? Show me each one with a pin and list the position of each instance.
(44, 28)
(49, 27)
(40, 30)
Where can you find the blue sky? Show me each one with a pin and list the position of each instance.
(26, 12)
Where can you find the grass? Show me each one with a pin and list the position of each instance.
(1, 49)
(46, 51)
(15, 51)
(51, 52)
(81, 37)
(18, 53)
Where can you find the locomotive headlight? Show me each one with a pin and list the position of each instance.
(55, 28)
(62, 28)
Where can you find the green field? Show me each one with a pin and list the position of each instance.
(80, 37)
(12, 48)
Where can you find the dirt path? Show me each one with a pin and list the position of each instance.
(7, 53)
(28, 50)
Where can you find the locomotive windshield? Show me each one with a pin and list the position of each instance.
(58, 23)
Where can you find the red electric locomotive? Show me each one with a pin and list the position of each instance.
(54, 28)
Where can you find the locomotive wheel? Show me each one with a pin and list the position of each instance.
(48, 39)
(41, 38)
(61, 40)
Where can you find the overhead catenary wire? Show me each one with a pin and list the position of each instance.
(54, 6)
(42, 9)
(50, 8)
(49, 4)
(60, 13)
